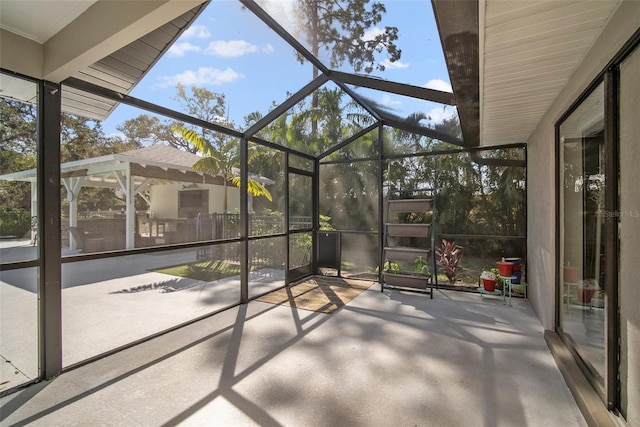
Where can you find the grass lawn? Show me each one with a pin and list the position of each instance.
(207, 271)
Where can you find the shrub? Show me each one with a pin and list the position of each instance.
(450, 256)
(14, 222)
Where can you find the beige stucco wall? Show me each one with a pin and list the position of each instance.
(541, 196)
(630, 236)
(541, 218)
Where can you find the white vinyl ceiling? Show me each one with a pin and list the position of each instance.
(39, 20)
(528, 51)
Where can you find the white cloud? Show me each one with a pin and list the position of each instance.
(201, 77)
(231, 48)
(197, 31)
(388, 101)
(372, 33)
(179, 49)
(394, 65)
(440, 113)
(439, 84)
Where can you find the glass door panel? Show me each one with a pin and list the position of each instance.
(583, 179)
(19, 238)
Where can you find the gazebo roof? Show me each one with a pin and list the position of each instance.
(156, 164)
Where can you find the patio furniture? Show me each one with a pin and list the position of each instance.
(508, 285)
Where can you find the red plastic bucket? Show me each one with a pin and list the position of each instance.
(505, 268)
(489, 285)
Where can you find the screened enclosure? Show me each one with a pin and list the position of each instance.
(180, 210)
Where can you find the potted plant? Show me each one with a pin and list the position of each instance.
(450, 256)
(586, 290)
(394, 275)
(505, 268)
(421, 266)
(570, 274)
(488, 281)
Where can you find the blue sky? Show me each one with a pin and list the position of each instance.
(228, 50)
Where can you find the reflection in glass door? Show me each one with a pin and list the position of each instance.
(19, 239)
(583, 231)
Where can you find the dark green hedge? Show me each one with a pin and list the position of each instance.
(14, 222)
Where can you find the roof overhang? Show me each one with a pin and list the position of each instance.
(108, 43)
(509, 60)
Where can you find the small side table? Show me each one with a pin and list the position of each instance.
(508, 283)
(482, 292)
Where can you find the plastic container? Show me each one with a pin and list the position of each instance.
(489, 285)
(505, 268)
(570, 274)
(518, 275)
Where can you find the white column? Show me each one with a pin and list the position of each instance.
(130, 204)
(73, 186)
(126, 185)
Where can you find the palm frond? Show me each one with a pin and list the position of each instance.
(194, 138)
(254, 187)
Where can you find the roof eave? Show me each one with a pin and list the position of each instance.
(458, 27)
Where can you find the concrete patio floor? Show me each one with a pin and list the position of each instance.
(385, 359)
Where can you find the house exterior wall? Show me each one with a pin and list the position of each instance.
(164, 199)
(541, 190)
(630, 236)
(541, 185)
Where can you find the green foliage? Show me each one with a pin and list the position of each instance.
(325, 223)
(421, 265)
(14, 222)
(390, 267)
(338, 27)
(220, 160)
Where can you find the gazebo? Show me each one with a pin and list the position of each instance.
(131, 173)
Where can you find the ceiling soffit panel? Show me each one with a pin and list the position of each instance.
(530, 50)
(123, 69)
(21, 18)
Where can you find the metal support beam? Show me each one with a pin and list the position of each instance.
(283, 33)
(612, 245)
(286, 220)
(50, 282)
(347, 141)
(244, 221)
(380, 204)
(458, 27)
(421, 130)
(417, 92)
(287, 105)
(315, 209)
